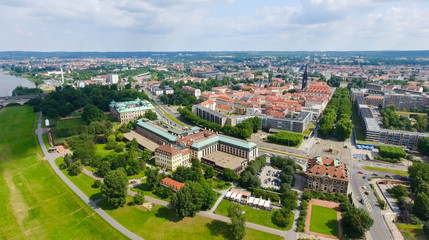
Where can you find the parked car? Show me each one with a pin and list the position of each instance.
(375, 174)
(387, 176)
(366, 192)
(360, 172)
(362, 201)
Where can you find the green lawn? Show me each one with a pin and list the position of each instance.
(101, 151)
(218, 184)
(412, 232)
(35, 203)
(161, 223)
(46, 141)
(310, 128)
(76, 122)
(397, 172)
(143, 189)
(260, 217)
(324, 220)
(82, 181)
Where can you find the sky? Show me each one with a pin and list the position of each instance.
(213, 25)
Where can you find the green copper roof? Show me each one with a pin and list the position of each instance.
(140, 105)
(171, 138)
(225, 140)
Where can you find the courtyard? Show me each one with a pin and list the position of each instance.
(323, 219)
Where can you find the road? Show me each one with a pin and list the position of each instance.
(50, 157)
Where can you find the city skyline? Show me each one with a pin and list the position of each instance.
(207, 25)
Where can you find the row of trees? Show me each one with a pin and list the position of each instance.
(339, 111)
(20, 90)
(242, 130)
(248, 177)
(423, 146)
(392, 120)
(286, 138)
(419, 173)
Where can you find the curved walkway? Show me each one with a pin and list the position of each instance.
(93, 204)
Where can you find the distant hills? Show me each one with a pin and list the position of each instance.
(380, 54)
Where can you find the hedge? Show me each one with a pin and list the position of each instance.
(391, 152)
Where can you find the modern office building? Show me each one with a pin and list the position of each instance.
(169, 157)
(406, 101)
(125, 112)
(296, 124)
(113, 78)
(327, 175)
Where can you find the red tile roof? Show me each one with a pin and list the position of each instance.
(172, 183)
(326, 167)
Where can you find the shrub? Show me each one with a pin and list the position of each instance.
(97, 184)
(286, 138)
(139, 198)
(119, 148)
(391, 152)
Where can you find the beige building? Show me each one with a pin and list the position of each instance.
(327, 175)
(170, 158)
(125, 112)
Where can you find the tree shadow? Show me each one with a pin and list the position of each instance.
(105, 205)
(96, 196)
(218, 228)
(167, 213)
(333, 226)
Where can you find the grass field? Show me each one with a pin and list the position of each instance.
(310, 128)
(324, 220)
(260, 217)
(82, 181)
(412, 232)
(76, 122)
(35, 203)
(101, 151)
(161, 223)
(397, 172)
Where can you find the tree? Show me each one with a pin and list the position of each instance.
(398, 191)
(183, 203)
(76, 168)
(238, 221)
(344, 128)
(151, 115)
(119, 148)
(209, 172)
(120, 136)
(97, 184)
(281, 217)
(356, 222)
(248, 180)
(92, 113)
(114, 188)
(229, 175)
(183, 174)
(104, 168)
(421, 206)
(138, 198)
(111, 138)
(426, 229)
(423, 146)
(152, 176)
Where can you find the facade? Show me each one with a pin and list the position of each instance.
(113, 78)
(374, 100)
(170, 183)
(125, 112)
(209, 114)
(170, 158)
(327, 175)
(406, 101)
(168, 90)
(202, 144)
(375, 133)
(297, 124)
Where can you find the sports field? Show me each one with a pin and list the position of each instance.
(35, 203)
(324, 220)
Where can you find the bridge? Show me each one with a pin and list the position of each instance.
(16, 99)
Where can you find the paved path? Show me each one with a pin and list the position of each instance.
(91, 174)
(258, 227)
(93, 204)
(223, 193)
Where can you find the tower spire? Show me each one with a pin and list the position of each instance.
(304, 78)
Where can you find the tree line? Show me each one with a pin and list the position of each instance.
(337, 113)
(286, 138)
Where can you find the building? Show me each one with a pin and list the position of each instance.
(208, 114)
(327, 175)
(406, 101)
(125, 112)
(217, 150)
(113, 78)
(168, 90)
(376, 134)
(318, 88)
(374, 100)
(169, 157)
(170, 183)
(194, 91)
(296, 124)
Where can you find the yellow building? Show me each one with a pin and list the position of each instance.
(170, 158)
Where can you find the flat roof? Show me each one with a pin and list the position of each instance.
(141, 140)
(225, 140)
(224, 159)
(171, 138)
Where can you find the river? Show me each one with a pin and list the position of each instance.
(8, 83)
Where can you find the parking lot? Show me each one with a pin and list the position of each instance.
(269, 177)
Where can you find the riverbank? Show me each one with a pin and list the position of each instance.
(10, 82)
